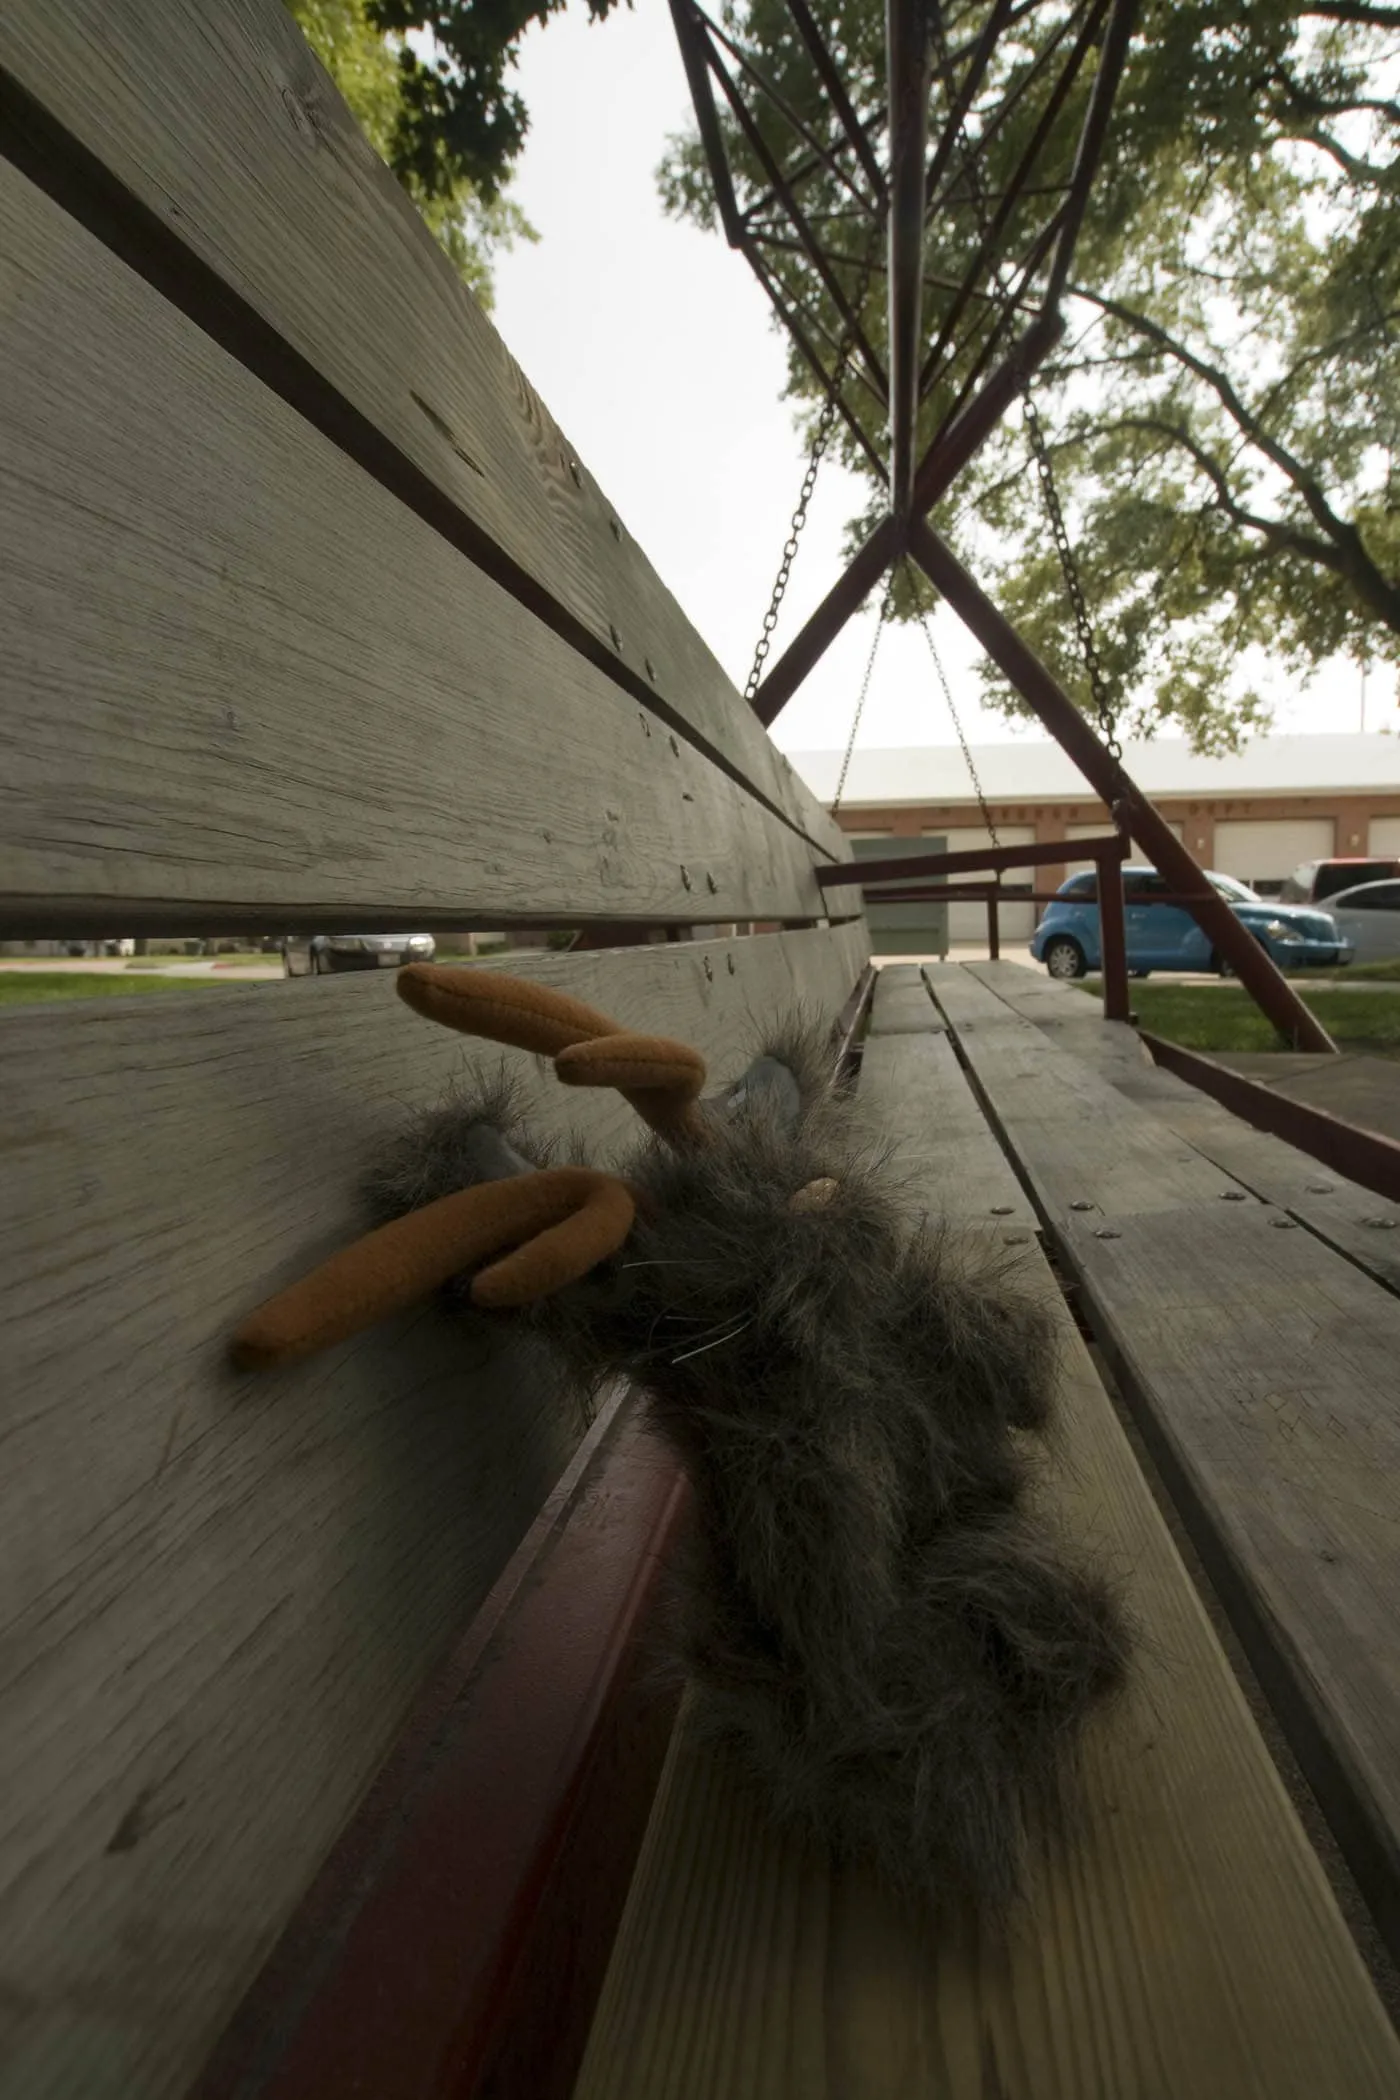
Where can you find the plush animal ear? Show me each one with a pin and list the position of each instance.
(661, 1079)
(548, 1230)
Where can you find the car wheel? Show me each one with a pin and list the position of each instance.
(1139, 973)
(1064, 958)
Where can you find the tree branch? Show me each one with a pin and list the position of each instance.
(1355, 11)
(1284, 538)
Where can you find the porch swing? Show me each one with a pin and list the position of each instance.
(333, 1750)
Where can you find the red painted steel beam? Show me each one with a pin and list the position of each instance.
(1255, 968)
(936, 472)
(1347, 1148)
(1113, 939)
(961, 441)
(795, 214)
(961, 102)
(1105, 844)
(825, 155)
(908, 61)
(829, 74)
(846, 596)
(1117, 40)
(692, 49)
(1018, 183)
(795, 329)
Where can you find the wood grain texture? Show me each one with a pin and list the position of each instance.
(1110, 1156)
(238, 671)
(902, 1004)
(1263, 1370)
(1340, 1212)
(219, 1594)
(922, 1106)
(1187, 1948)
(216, 115)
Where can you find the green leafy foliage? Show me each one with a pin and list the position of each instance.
(1223, 409)
(376, 72)
(457, 119)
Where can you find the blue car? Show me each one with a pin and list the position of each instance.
(1166, 937)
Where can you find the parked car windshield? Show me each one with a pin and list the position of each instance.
(1235, 892)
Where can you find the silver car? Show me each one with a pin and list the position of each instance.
(319, 954)
(1368, 917)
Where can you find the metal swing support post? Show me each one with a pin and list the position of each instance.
(969, 357)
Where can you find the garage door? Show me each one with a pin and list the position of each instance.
(1097, 831)
(968, 922)
(901, 929)
(1264, 854)
(1385, 836)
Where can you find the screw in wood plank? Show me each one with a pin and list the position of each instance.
(1014, 1239)
(616, 638)
(1381, 1224)
(1232, 1195)
(650, 669)
(685, 876)
(709, 971)
(1319, 1188)
(675, 747)
(576, 472)
(614, 528)
(1080, 1204)
(1001, 1210)
(711, 884)
(1283, 1224)
(732, 965)
(1106, 1232)
(646, 726)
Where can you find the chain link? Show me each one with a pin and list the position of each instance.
(1105, 706)
(1100, 686)
(966, 748)
(885, 604)
(826, 423)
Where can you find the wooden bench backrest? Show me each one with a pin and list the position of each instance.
(310, 617)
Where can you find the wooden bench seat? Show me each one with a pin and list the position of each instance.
(325, 1746)
(1189, 1947)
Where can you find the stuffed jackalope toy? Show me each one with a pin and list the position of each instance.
(897, 1648)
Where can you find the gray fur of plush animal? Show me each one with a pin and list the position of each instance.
(899, 1651)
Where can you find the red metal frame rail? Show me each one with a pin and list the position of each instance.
(974, 326)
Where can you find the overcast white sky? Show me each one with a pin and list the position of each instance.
(651, 343)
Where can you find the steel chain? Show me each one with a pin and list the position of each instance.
(826, 422)
(885, 604)
(1105, 703)
(968, 760)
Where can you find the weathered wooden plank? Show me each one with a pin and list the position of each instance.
(238, 671)
(215, 115)
(1109, 1155)
(1347, 1216)
(1263, 1367)
(1189, 1943)
(922, 1106)
(219, 1596)
(902, 1004)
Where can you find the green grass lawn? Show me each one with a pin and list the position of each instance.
(26, 987)
(1369, 973)
(1209, 1017)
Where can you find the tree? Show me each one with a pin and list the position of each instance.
(457, 120)
(1222, 415)
(375, 71)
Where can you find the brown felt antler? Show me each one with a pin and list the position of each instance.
(560, 1224)
(661, 1079)
(557, 1224)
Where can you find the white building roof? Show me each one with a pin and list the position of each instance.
(1036, 770)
